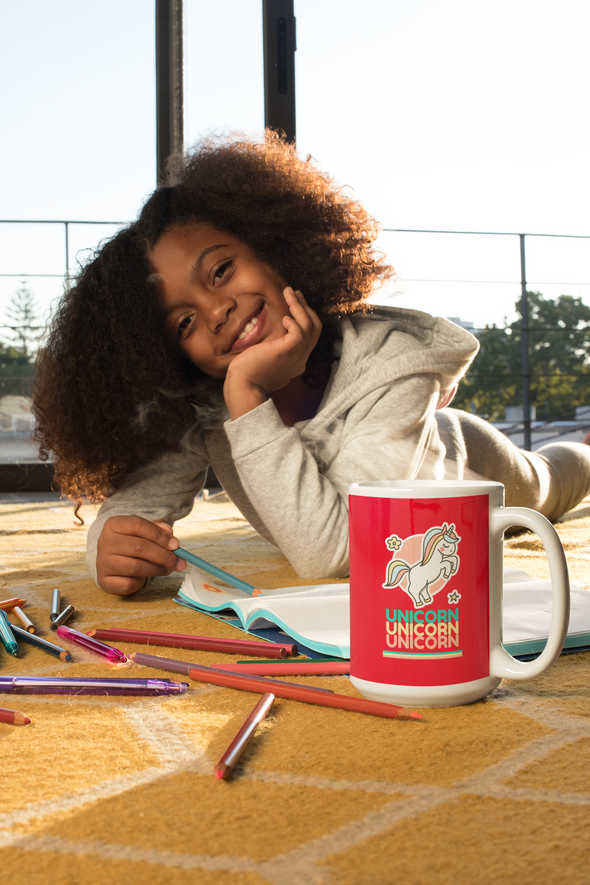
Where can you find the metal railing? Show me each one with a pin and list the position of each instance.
(66, 226)
(525, 327)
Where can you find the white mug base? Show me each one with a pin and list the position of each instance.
(427, 695)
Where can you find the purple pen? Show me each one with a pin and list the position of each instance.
(92, 686)
(100, 648)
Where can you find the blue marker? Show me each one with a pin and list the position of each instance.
(7, 636)
(250, 589)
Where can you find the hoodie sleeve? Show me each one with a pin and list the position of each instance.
(299, 485)
(165, 489)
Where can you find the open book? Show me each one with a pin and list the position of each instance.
(317, 618)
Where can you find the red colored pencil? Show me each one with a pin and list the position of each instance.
(185, 667)
(292, 668)
(303, 693)
(13, 718)
(226, 764)
(200, 643)
(8, 604)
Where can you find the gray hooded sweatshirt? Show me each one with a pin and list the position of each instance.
(378, 419)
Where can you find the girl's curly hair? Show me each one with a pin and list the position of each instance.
(111, 392)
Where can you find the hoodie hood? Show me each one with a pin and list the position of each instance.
(386, 344)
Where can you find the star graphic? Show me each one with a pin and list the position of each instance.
(393, 542)
(454, 597)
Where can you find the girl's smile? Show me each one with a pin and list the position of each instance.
(219, 299)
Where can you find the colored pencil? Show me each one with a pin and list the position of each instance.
(37, 641)
(92, 686)
(54, 605)
(186, 667)
(303, 693)
(26, 622)
(7, 636)
(200, 643)
(226, 764)
(292, 668)
(99, 648)
(7, 605)
(250, 589)
(11, 717)
(64, 615)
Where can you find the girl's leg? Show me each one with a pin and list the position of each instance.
(551, 480)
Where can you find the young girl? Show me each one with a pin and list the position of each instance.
(229, 327)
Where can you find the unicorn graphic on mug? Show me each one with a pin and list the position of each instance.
(439, 561)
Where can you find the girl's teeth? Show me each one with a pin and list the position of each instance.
(248, 328)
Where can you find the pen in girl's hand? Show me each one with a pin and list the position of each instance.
(250, 589)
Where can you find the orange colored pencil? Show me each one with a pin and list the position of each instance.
(186, 666)
(8, 604)
(13, 718)
(291, 668)
(26, 622)
(200, 643)
(226, 764)
(303, 693)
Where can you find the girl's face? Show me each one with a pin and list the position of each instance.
(218, 298)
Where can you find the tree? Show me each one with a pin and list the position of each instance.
(16, 354)
(559, 357)
(23, 321)
(16, 372)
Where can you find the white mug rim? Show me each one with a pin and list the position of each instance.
(423, 488)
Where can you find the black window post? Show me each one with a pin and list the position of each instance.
(169, 83)
(525, 349)
(278, 22)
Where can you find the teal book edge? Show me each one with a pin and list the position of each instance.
(273, 626)
(573, 642)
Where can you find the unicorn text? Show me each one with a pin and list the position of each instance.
(429, 630)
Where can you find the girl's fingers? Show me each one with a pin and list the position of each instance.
(132, 549)
(135, 568)
(158, 532)
(124, 574)
(140, 550)
(301, 312)
(120, 586)
(163, 525)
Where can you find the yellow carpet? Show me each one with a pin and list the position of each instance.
(103, 790)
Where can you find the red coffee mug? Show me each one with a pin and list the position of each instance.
(426, 590)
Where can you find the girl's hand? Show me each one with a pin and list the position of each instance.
(132, 549)
(263, 368)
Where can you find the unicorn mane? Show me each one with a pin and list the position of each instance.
(430, 541)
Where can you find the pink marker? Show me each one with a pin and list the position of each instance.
(100, 648)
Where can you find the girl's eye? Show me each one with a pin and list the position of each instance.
(220, 271)
(183, 326)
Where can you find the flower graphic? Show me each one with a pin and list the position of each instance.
(393, 542)
(453, 597)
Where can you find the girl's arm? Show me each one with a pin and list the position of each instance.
(298, 485)
(131, 539)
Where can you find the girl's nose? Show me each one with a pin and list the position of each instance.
(216, 309)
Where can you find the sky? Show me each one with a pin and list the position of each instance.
(450, 116)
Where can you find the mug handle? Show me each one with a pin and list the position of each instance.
(501, 662)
